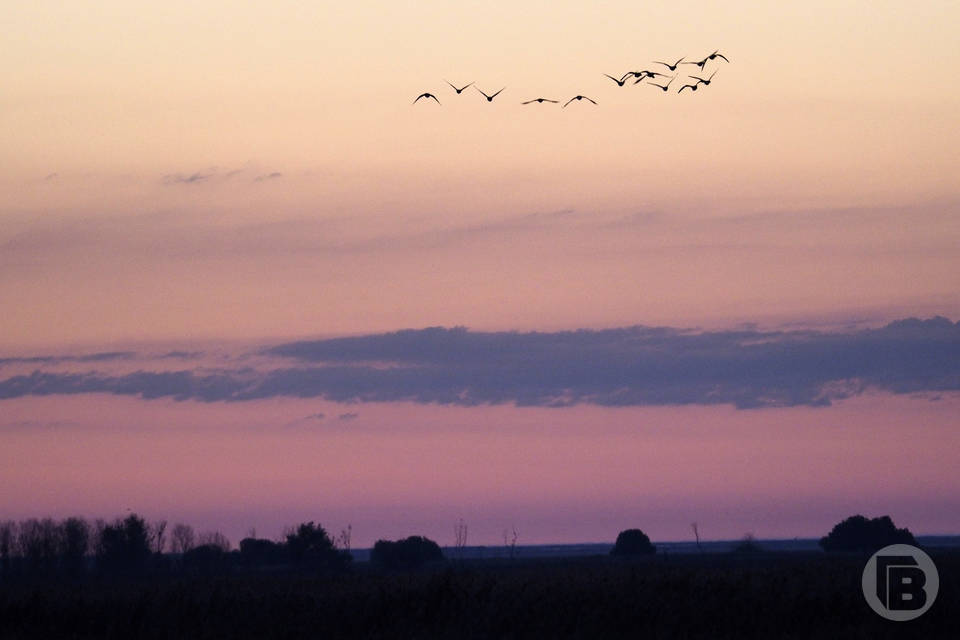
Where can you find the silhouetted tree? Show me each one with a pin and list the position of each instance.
(510, 542)
(342, 541)
(858, 533)
(632, 542)
(408, 553)
(39, 543)
(460, 537)
(214, 538)
(158, 536)
(124, 546)
(309, 546)
(8, 539)
(182, 538)
(75, 543)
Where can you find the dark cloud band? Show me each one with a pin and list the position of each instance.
(616, 367)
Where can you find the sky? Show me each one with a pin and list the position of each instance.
(200, 201)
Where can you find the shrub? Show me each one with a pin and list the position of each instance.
(206, 559)
(309, 546)
(747, 544)
(408, 553)
(632, 542)
(858, 533)
(256, 552)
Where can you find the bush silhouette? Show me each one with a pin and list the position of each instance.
(858, 533)
(747, 544)
(632, 542)
(408, 553)
(258, 552)
(309, 546)
(206, 559)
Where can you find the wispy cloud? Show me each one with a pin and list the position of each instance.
(189, 178)
(217, 174)
(180, 355)
(90, 357)
(615, 367)
(580, 236)
(268, 176)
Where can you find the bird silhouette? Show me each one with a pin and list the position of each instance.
(702, 81)
(578, 98)
(649, 74)
(672, 67)
(639, 75)
(662, 87)
(620, 81)
(489, 98)
(716, 54)
(540, 100)
(426, 95)
(460, 90)
(700, 63)
(693, 87)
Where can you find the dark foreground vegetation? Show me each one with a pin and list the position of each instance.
(770, 595)
(115, 580)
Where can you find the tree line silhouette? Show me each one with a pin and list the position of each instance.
(133, 546)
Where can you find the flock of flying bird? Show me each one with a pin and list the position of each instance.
(636, 76)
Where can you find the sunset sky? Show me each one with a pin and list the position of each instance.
(198, 200)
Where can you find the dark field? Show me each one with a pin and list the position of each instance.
(762, 595)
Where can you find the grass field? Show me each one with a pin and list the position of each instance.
(762, 595)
